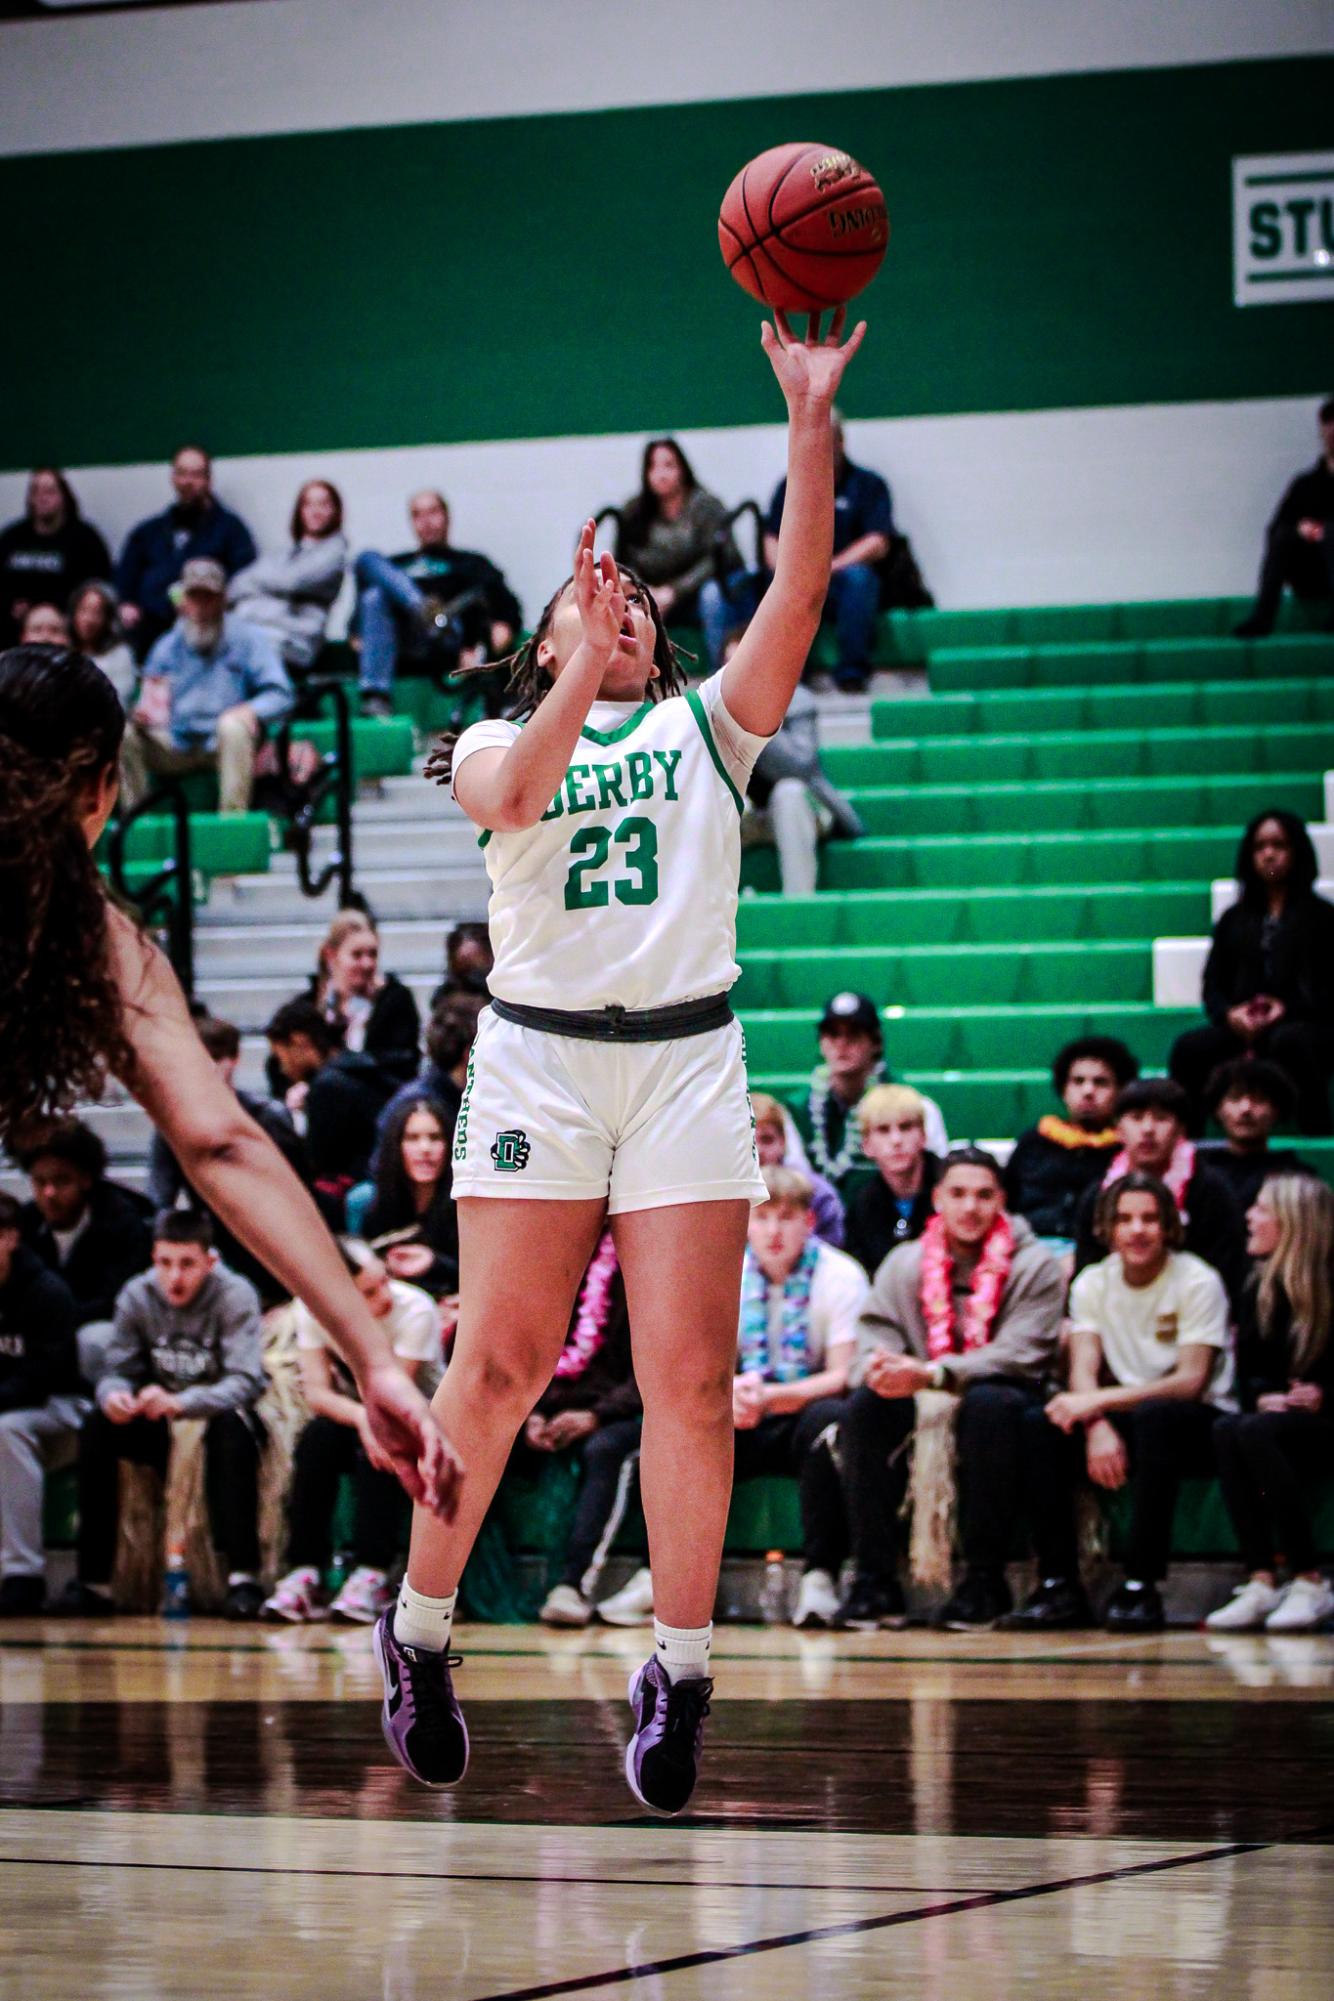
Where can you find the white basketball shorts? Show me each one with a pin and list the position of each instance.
(644, 1125)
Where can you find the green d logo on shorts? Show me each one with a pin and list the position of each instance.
(510, 1151)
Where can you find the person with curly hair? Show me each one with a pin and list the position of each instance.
(84, 995)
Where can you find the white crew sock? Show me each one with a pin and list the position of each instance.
(683, 1650)
(423, 1622)
(235, 1577)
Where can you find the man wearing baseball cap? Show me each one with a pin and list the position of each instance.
(211, 686)
(852, 1048)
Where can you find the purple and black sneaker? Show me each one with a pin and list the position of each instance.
(421, 1719)
(662, 1758)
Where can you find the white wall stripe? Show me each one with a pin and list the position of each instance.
(217, 72)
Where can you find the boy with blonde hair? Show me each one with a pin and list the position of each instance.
(895, 1208)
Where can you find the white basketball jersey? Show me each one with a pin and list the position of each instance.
(624, 893)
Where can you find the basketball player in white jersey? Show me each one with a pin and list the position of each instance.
(608, 1078)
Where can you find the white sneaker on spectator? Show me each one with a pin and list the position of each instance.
(1247, 1609)
(1307, 1602)
(298, 1598)
(565, 1607)
(363, 1597)
(632, 1605)
(817, 1600)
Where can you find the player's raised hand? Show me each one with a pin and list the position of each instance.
(810, 370)
(598, 593)
(411, 1441)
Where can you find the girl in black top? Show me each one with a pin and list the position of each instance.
(411, 1220)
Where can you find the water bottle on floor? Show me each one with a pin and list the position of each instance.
(176, 1585)
(773, 1594)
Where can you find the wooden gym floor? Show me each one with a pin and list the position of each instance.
(209, 1810)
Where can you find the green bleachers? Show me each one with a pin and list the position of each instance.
(382, 747)
(939, 1037)
(220, 843)
(1060, 754)
(1128, 662)
(1150, 705)
(1165, 854)
(1077, 805)
(971, 916)
(950, 975)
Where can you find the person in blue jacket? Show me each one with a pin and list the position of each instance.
(158, 549)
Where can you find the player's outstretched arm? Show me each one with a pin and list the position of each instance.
(508, 790)
(759, 679)
(241, 1174)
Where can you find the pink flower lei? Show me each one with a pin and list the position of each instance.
(936, 1288)
(590, 1320)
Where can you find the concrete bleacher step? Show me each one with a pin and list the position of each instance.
(250, 1000)
(231, 951)
(444, 893)
(1223, 890)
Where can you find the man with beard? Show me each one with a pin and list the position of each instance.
(211, 686)
(157, 551)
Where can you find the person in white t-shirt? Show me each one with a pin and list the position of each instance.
(608, 1075)
(1151, 1370)
(338, 1441)
(800, 1302)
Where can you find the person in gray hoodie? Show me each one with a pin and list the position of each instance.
(973, 1307)
(290, 593)
(186, 1343)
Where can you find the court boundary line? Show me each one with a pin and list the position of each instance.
(853, 1927)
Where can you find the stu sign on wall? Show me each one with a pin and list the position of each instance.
(1282, 228)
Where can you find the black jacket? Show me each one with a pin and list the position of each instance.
(1309, 498)
(1296, 966)
(1215, 1229)
(39, 1356)
(157, 550)
(1045, 1182)
(1264, 1367)
(448, 574)
(874, 1225)
(166, 1180)
(342, 1107)
(438, 1229)
(1245, 1173)
(116, 1246)
(393, 1031)
(45, 569)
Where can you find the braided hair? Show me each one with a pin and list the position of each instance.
(529, 682)
(61, 1027)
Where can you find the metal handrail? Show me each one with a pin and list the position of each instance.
(167, 900)
(724, 536)
(335, 775)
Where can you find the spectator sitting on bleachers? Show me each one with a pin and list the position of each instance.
(1285, 1434)
(187, 1343)
(195, 526)
(1151, 1126)
(44, 625)
(1249, 1097)
(210, 687)
(1299, 541)
(771, 1145)
(895, 1208)
(411, 1220)
(334, 1094)
(1269, 977)
(972, 1308)
(167, 1184)
(592, 1400)
(450, 1034)
(1058, 1160)
(852, 1049)
(378, 1013)
(789, 801)
(291, 593)
(405, 605)
(47, 552)
(338, 1441)
(800, 1299)
(668, 534)
(1150, 1370)
(92, 1234)
(863, 534)
(41, 1408)
(94, 623)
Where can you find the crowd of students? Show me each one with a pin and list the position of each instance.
(1118, 1306)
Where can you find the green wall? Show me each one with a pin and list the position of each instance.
(1056, 242)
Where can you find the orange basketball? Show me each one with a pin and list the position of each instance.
(803, 227)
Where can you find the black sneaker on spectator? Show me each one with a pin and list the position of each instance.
(1056, 1606)
(870, 1608)
(980, 1602)
(244, 1600)
(1135, 1608)
(21, 1597)
(1253, 628)
(79, 1601)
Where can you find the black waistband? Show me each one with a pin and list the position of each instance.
(621, 1024)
